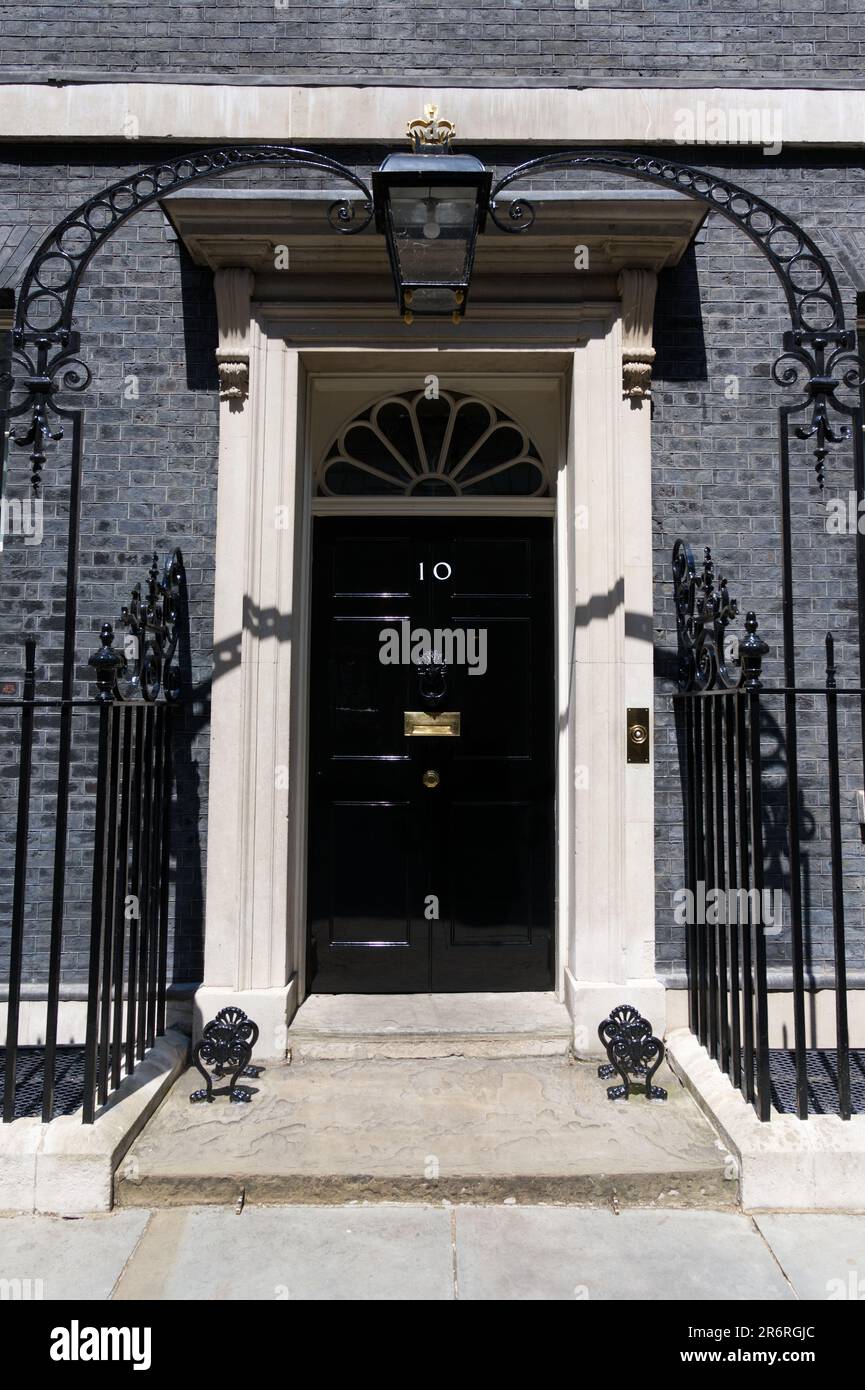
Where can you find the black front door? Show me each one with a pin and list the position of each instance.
(431, 856)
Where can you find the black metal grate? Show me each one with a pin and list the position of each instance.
(69, 1080)
(822, 1073)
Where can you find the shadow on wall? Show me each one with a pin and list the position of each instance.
(200, 331)
(680, 344)
(200, 340)
(776, 842)
(186, 832)
(189, 850)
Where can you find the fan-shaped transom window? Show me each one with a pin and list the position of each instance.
(451, 445)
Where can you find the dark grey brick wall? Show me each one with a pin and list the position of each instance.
(564, 41)
(150, 481)
(146, 313)
(719, 323)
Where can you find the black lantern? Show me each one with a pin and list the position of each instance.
(431, 204)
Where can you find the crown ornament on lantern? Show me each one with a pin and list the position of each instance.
(429, 132)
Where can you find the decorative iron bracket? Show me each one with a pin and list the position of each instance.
(828, 361)
(226, 1046)
(632, 1051)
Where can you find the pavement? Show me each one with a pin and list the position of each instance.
(421, 1252)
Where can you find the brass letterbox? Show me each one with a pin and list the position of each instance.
(421, 723)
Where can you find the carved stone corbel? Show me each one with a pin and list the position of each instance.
(637, 290)
(233, 288)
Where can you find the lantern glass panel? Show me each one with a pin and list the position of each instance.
(432, 234)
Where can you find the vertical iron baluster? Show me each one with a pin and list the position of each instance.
(797, 939)
(70, 620)
(747, 1081)
(720, 931)
(135, 888)
(710, 932)
(751, 652)
(691, 866)
(123, 714)
(97, 907)
(842, 1039)
(732, 883)
(760, 982)
(144, 923)
(19, 889)
(155, 854)
(700, 857)
(109, 885)
(165, 813)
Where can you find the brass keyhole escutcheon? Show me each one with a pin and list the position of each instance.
(431, 778)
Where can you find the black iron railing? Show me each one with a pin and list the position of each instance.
(733, 849)
(124, 825)
(129, 906)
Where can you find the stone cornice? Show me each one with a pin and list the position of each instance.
(525, 115)
(288, 236)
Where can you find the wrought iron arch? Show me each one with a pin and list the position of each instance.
(45, 343)
(47, 351)
(759, 220)
(823, 353)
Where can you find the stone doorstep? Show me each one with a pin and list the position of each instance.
(673, 1191)
(405, 1046)
(367, 1027)
(66, 1168)
(524, 1130)
(786, 1164)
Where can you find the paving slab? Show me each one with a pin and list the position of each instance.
(294, 1253)
(428, 1252)
(457, 1129)
(547, 1253)
(54, 1257)
(823, 1255)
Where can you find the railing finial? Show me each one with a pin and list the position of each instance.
(752, 649)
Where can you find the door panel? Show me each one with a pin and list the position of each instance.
(481, 840)
(368, 887)
(365, 718)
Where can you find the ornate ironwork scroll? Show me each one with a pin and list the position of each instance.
(818, 344)
(632, 1052)
(226, 1047)
(44, 341)
(820, 364)
(145, 668)
(704, 610)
